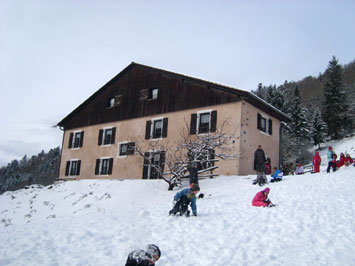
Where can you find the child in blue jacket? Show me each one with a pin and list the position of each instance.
(183, 199)
(277, 176)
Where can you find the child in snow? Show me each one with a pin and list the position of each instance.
(183, 199)
(260, 179)
(268, 166)
(331, 160)
(348, 160)
(277, 176)
(341, 160)
(261, 199)
(299, 169)
(316, 162)
(144, 258)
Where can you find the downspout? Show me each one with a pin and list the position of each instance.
(61, 152)
(280, 145)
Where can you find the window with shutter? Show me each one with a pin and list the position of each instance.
(264, 124)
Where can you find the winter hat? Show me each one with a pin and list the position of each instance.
(195, 187)
(266, 190)
(153, 250)
(330, 147)
(317, 153)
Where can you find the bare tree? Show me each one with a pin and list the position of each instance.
(205, 149)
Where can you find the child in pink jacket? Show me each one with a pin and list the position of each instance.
(260, 199)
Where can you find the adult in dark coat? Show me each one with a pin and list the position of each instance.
(193, 174)
(259, 159)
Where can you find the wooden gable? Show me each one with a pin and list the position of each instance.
(127, 96)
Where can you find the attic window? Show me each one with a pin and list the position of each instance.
(114, 101)
(153, 93)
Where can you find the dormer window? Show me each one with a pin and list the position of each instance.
(153, 93)
(114, 101)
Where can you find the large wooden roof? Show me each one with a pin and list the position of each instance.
(177, 92)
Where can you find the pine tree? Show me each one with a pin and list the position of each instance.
(299, 127)
(319, 129)
(335, 106)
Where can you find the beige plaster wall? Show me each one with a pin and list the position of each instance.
(241, 122)
(251, 137)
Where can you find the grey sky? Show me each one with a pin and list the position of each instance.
(55, 54)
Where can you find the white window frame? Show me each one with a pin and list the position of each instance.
(73, 140)
(119, 149)
(199, 113)
(104, 134)
(71, 166)
(152, 128)
(101, 165)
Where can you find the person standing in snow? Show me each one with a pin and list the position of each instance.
(268, 166)
(330, 158)
(259, 159)
(144, 258)
(193, 174)
(277, 176)
(261, 199)
(316, 162)
(183, 199)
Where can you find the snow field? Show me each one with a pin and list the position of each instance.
(99, 222)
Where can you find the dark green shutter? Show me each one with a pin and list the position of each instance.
(101, 132)
(110, 166)
(113, 138)
(67, 168)
(97, 167)
(81, 138)
(259, 122)
(162, 161)
(193, 124)
(145, 165)
(71, 140)
(78, 167)
(147, 129)
(165, 128)
(270, 126)
(213, 121)
(130, 148)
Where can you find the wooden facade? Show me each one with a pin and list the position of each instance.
(175, 92)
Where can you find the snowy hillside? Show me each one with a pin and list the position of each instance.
(99, 222)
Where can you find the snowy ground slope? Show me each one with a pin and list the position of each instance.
(99, 222)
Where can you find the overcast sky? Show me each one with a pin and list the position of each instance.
(55, 54)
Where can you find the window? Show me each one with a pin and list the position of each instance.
(76, 139)
(114, 101)
(203, 122)
(104, 166)
(73, 168)
(153, 165)
(153, 94)
(264, 124)
(126, 148)
(107, 136)
(156, 128)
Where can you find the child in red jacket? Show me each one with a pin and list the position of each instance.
(316, 162)
(261, 199)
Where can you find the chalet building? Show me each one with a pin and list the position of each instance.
(144, 105)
